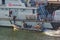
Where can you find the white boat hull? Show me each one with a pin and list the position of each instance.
(52, 33)
(5, 23)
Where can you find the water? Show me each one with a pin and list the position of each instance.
(9, 34)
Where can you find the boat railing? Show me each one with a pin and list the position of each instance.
(30, 20)
(18, 7)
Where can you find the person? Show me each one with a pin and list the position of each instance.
(14, 18)
(3, 2)
(32, 2)
(24, 25)
(10, 15)
(22, 1)
(38, 15)
(14, 15)
(37, 3)
(41, 11)
(38, 26)
(26, 3)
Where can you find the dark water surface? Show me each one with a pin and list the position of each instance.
(9, 34)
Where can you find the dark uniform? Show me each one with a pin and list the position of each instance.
(10, 13)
